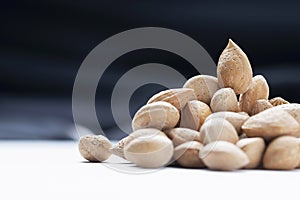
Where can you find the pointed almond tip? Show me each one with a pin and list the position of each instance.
(231, 43)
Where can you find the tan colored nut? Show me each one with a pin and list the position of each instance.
(293, 109)
(204, 86)
(234, 69)
(282, 154)
(236, 119)
(177, 97)
(149, 152)
(271, 123)
(182, 135)
(159, 115)
(218, 129)
(278, 101)
(259, 89)
(222, 155)
(260, 105)
(224, 100)
(94, 147)
(254, 148)
(194, 114)
(118, 149)
(187, 154)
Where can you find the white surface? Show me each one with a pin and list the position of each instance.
(55, 170)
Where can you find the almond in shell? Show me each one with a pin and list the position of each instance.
(222, 155)
(187, 154)
(271, 123)
(234, 69)
(259, 89)
(218, 129)
(236, 119)
(204, 87)
(254, 148)
(159, 115)
(224, 100)
(194, 114)
(282, 154)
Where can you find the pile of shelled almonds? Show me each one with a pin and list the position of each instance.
(222, 123)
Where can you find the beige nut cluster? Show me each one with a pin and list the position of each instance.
(224, 123)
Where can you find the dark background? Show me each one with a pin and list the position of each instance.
(43, 43)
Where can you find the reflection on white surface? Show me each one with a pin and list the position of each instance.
(55, 170)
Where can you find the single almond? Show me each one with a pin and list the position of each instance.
(271, 123)
(204, 87)
(293, 109)
(282, 154)
(218, 129)
(177, 97)
(254, 148)
(118, 148)
(187, 154)
(259, 89)
(224, 100)
(159, 115)
(182, 135)
(222, 155)
(194, 114)
(153, 152)
(94, 148)
(236, 119)
(260, 105)
(234, 69)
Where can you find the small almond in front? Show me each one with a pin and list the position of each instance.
(187, 154)
(94, 148)
(149, 152)
(222, 155)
